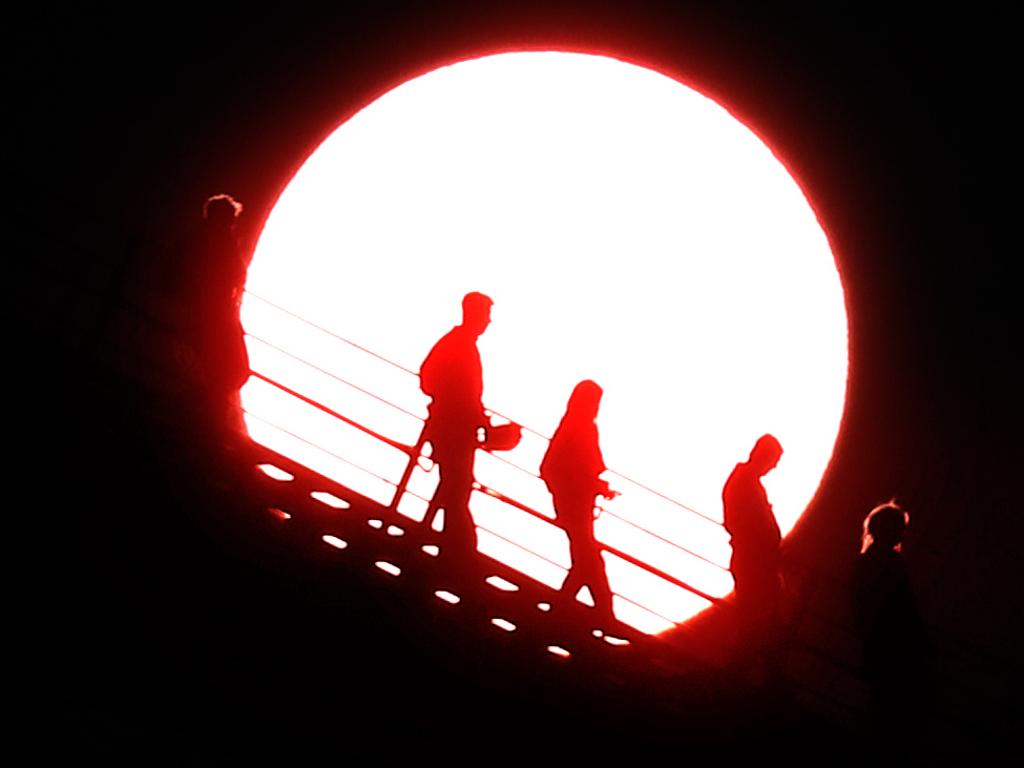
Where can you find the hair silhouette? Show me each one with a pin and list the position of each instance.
(222, 208)
(884, 526)
(895, 649)
(209, 297)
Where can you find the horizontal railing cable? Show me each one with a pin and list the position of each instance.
(484, 489)
(548, 560)
(310, 323)
(332, 375)
(319, 448)
(411, 372)
(652, 534)
(406, 449)
(409, 449)
(617, 552)
(141, 311)
(519, 505)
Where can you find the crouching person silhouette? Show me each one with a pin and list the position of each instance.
(571, 469)
(452, 376)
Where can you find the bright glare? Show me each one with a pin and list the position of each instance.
(330, 500)
(629, 230)
(275, 473)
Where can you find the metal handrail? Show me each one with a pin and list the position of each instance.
(298, 466)
(320, 448)
(334, 376)
(415, 374)
(607, 547)
(413, 453)
(407, 449)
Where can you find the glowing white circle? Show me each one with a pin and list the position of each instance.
(629, 230)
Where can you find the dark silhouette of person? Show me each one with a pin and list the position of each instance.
(452, 376)
(571, 469)
(895, 649)
(750, 521)
(214, 281)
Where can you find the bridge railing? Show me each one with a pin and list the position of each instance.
(143, 351)
(357, 417)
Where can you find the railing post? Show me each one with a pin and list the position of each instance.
(414, 457)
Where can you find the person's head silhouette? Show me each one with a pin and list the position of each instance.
(585, 400)
(884, 527)
(476, 312)
(221, 210)
(765, 455)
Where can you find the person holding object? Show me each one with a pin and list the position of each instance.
(452, 376)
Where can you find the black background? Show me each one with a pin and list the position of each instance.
(119, 125)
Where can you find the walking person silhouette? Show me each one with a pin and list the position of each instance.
(750, 521)
(571, 469)
(452, 375)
